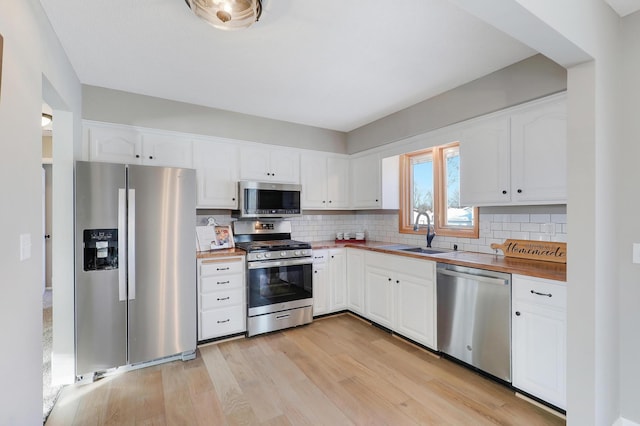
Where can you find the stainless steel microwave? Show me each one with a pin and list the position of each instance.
(266, 199)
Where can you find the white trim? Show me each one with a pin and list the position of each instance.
(624, 422)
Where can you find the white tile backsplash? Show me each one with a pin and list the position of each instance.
(382, 226)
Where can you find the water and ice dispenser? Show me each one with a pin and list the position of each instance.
(100, 249)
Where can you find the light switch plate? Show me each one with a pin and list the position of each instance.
(25, 246)
(636, 252)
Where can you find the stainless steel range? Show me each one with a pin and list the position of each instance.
(279, 281)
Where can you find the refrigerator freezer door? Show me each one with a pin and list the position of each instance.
(101, 329)
(162, 317)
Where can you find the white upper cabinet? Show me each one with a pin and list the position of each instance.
(518, 157)
(269, 165)
(166, 150)
(216, 165)
(325, 181)
(366, 189)
(539, 154)
(484, 163)
(113, 144)
(127, 145)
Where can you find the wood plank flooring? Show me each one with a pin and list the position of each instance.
(335, 371)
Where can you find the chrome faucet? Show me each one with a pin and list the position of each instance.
(431, 233)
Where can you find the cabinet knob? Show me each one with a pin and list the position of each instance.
(233, 199)
(315, 272)
(323, 201)
(151, 157)
(329, 201)
(519, 191)
(389, 279)
(376, 200)
(517, 313)
(504, 192)
(397, 281)
(137, 155)
(332, 256)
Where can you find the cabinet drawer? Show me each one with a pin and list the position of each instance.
(222, 282)
(222, 322)
(538, 291)
(221, 299)
(222, 266)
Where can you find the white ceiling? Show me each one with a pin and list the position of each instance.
(334, 64)
(624, 7)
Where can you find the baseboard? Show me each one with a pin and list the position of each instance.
(624, 422)
(540, 405)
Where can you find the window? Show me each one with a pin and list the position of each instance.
(430, 185)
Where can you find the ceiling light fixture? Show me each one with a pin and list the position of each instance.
(46, 119)
(227, 14)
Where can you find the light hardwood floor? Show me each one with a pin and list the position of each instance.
(335, 371)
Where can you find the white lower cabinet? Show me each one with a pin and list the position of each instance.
(329, 281)
(539, 339)
(400, 295)
(355, 280)
(221, 297)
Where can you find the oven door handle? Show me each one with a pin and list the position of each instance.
(261, 264)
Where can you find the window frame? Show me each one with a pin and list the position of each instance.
(439, 196)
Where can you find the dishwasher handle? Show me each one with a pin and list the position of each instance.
(479, 278)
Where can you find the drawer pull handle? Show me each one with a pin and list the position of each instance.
(222, 269)
(223, 298)
(223, 321)
(223, 282)
(285, 316)
(541, 294)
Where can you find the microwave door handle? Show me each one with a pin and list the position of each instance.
(122, 246)
(131, 239)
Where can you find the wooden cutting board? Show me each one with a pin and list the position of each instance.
(535, 250)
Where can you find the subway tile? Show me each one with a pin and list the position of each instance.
(559, 218)
(530, 227)
(519, 218)
(540, 218)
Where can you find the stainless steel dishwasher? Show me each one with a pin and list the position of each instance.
(474, 317)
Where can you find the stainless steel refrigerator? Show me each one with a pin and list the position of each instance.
(135, 282)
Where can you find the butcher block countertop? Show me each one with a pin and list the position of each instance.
(212, 254)
(493, 262)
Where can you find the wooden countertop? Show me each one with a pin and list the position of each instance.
(532, 268)
(212, 254)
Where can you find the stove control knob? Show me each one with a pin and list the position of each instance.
(267, 255)
(259, 256)
(283, 254)
(297, 253)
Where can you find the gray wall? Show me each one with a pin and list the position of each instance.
(115, 106)
(523, 81)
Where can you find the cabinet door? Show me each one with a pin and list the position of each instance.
(415, 308)
(538, 154)
(320, 282)
(114, 145)
(285, 166)
(166, 150)
(379, 296)
(314, 182)
(355, 280)
(216, 174)
(365, 182)
(337, 280)
(255, 164)
(484, 163)
(337, 183)
(539, 352)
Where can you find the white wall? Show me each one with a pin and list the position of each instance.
(31, 51)
(629, 226)
(523, 81)
(115, 106)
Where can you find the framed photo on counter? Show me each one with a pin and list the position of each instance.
(214, 237)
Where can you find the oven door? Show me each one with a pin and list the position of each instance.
(279, 285)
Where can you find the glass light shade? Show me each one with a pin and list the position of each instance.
(46, 119)
(227, 14)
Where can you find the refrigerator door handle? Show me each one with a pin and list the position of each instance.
(122, 247)
(131, 249)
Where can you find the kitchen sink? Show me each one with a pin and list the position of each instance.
(427, 250)
(415, 249)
